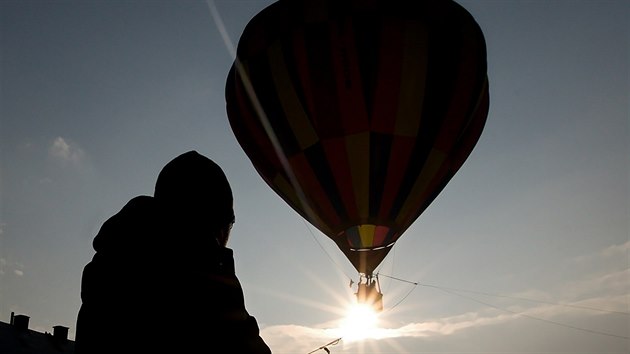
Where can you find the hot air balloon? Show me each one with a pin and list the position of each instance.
(358, 113)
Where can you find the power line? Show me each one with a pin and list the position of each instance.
(403, 299)
(454, 291)
(526, 299)
(532, 317)
(509, 296)
(399, 279)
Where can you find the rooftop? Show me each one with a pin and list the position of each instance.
(15, 337)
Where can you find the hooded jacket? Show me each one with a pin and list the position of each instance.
(159, 281)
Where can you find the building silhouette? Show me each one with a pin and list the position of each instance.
(17, 338)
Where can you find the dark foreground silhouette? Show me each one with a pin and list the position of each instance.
(162, 279)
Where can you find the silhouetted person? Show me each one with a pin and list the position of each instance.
(162, 278)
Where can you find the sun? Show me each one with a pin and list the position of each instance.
(361, 322)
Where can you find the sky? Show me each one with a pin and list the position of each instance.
(526, 249)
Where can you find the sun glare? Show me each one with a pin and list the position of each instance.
(361, 322)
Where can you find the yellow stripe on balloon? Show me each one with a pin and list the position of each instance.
(366, 232)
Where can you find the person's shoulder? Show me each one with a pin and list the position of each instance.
(137, 215)
(138, 209)
(140, 203)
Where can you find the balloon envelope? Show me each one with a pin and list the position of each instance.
(358, 113)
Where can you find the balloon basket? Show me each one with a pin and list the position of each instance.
(368, 293)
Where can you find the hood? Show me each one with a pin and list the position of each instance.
(194, 189)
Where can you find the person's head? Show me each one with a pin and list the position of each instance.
(195, 193)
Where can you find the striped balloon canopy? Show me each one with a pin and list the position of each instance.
(358, 113)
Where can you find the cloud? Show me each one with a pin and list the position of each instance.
(304, 339)
(7, 267)
(616, 250)
(599, 285)
(611, 252)
(66, 151)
